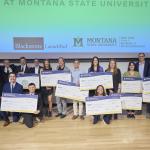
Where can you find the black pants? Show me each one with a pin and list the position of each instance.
(28, 119)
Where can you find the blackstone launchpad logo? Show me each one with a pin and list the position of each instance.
(28, 43)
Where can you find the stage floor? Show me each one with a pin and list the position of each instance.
(68, 134)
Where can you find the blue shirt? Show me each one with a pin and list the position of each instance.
(76, 76)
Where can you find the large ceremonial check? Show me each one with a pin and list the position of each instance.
(103, 105)
(19, 103)
(131, 85)
(50, 78)
(146, 90)
(131, 101)
(71, 91)
(89, 81)
(25, 79)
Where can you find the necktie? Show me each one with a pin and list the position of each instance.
(12, 88)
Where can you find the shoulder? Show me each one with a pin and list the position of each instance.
(19, 85)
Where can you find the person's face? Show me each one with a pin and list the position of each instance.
(12, 78)
(22, 61)
(36, 62)
(141, 57)
(76, 64)
(46, 63)
(61, 62)
(100, 91)
(112, 64)
(131, 67)
(6, 63)
(95, 62)
(32, 89)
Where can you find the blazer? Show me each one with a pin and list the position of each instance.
(146, 72)
(17, 89)
(27, 69)
(32, 69)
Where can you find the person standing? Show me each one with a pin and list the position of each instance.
(116, 74)
(77, 106)
(61, 102)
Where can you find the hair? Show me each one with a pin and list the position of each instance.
(31, 84)
(50, 68)
(22, 58)
(76, 60)
(115, 69)
(141, 53)
(104, 94)
(92, 64)
(131, 62)
(62, 59)
(12, 73)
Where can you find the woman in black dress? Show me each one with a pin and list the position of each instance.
(47, 91)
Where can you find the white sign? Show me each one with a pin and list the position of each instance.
(71, 91)
(50, 78)
(103, 105)
(19, 103)
(89, 81)
(25, 79)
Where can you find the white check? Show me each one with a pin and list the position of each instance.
(103, 105)
(25, 79)
(131, 101)
(146, 90)
(131, 85)
(89, 81)
(19, 103)
(71, 91)
(50, 78)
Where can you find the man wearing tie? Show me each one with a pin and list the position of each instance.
(37, 68)
(11, 87)
(23, 68)
(143, 66)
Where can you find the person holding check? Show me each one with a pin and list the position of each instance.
(95, 67)
(112, 67)
(131, 73)
(30, 118)
(47, 91)
(61, 102)
(77, 106)
(100, 91)
(11, 87)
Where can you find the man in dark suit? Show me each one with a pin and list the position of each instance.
(11, 87)
(5, 70)
(37, 68)
(29, 118)
(143, 66)
(23, 67)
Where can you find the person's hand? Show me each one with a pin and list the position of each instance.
(119, 90)
(37, 112)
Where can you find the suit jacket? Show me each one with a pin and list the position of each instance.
(146, 68)
(27, 69)
(17, 89)
(32, 69)
(4, 75)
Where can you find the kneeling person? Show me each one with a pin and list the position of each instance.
(29, 118)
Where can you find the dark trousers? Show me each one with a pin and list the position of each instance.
(28, 119)
(15, 115)
(148, 108)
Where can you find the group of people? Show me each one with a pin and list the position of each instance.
(8, 84)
